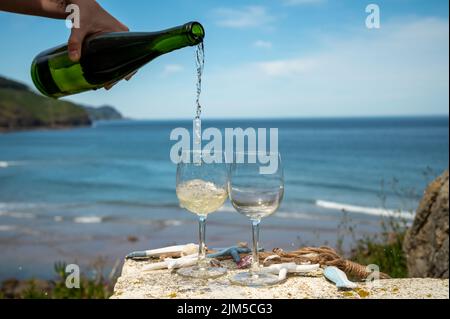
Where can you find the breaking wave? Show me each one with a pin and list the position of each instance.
(88, 219)
(17, 215)
(374, 211)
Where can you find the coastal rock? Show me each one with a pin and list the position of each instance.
(426, 243)
(135, 283)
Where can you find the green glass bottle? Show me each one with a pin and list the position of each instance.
(107, 58)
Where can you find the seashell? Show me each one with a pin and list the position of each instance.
(155, 266)
(185, 261)
(282, 274)
(189, 249)
(174, 263)
(179, 250)
(170, 255)
(245, 262)
(271, 257)
(291, 268)
(339, 277)
(183, 250)
(170, 263)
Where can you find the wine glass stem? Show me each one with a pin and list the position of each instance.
(255, 237)
(201, 247)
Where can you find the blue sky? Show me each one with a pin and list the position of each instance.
(279, 58)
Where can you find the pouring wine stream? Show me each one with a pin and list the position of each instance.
(197, 127)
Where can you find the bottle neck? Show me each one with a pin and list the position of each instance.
(134, 43)
(189, 34)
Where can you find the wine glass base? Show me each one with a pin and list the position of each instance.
(255, 279)
(202, 272)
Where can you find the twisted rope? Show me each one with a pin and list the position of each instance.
(325, 256)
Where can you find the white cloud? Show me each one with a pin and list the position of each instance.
(289, 67)
(172, 69)
(402, 68)
(245, 17)
(263, 44)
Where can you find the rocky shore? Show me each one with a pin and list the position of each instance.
(425, 247)
(134, 283)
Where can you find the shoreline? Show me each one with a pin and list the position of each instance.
(57, 128)
(42, 128)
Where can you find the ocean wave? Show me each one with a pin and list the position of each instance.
(138, 204)
(172, 222)
(329, 185)
(18, 215)
(347, 187)
(292, 215)
(160, 222)
(11, 206)
(374, 211)
(19, 207)
(4, 164)
(88, 219)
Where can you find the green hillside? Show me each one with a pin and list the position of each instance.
(21, 108)
(25, 109)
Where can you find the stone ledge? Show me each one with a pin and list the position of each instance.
(160, 284)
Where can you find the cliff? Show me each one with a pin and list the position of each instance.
(426, 243)
(103, 113)
(21, 109)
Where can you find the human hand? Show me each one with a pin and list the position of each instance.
(93, 20)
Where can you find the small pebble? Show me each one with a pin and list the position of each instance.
(245, 262)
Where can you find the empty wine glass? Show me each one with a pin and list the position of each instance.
(201, 189)
(256, 194)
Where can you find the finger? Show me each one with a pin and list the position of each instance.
(75, 44)
(121, 27)
(124, 27)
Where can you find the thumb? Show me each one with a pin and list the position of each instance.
(75, 42)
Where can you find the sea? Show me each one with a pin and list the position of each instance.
(92, 195)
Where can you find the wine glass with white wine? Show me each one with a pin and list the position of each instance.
(202, 188)
(256, 195)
